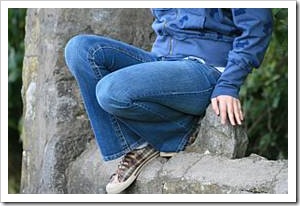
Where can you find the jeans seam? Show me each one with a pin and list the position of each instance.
(164, 94)
(125, 52)
(148, 109)
(162, 117)
(93, 50)
(170, 93)
(91, 59)
(135, 104)
(119, 133)
(123, 151)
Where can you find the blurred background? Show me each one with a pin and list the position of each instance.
(16, 34)
(264, 96)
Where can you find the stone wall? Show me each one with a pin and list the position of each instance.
(59, 151)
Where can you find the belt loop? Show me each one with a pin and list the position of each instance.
(202, 61)
(221, 69)
(195, 58)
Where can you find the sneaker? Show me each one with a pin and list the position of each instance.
(129, 168)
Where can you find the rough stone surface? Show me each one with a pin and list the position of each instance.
(56, 129)
(218, 174)
(59, 151)
(216, 138)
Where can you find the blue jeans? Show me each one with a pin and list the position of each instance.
(131, 96)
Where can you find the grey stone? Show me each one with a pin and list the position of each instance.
(89, 173)
(218, 174)
(60, 154)
(216, 138)
(56, 129)
(30, 100)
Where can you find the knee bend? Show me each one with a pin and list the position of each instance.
(75, 51)
(112, 99)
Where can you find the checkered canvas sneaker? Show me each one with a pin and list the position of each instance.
(129, 168)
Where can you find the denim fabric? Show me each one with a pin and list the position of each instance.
(234, 38)
(131, 96)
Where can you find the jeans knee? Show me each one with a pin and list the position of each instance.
(111, 97)
(74, 50)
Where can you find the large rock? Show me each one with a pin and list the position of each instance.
(56, 129)
(216, 174)
(196, 173)
(59, 150)
(216, 138)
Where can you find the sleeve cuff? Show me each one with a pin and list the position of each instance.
(230, 81)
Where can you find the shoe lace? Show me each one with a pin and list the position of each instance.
(128, 161)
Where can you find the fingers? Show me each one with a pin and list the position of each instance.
(238, 114)
(230, 111)
(240, 110)
(214, 103)
(223, 110)
(228, 107)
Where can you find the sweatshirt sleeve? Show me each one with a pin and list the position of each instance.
(248, 49)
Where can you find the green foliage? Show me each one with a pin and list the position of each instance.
(16, 33)
(265, 96)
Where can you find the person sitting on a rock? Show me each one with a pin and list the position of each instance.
(144, 104)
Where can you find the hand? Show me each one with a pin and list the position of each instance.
(226, 105)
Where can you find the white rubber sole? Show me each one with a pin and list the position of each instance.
(167, 154)
(116, 188)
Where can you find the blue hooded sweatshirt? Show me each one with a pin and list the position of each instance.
(236, 39)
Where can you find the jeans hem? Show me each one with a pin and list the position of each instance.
(124, 151)
(186, 137)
